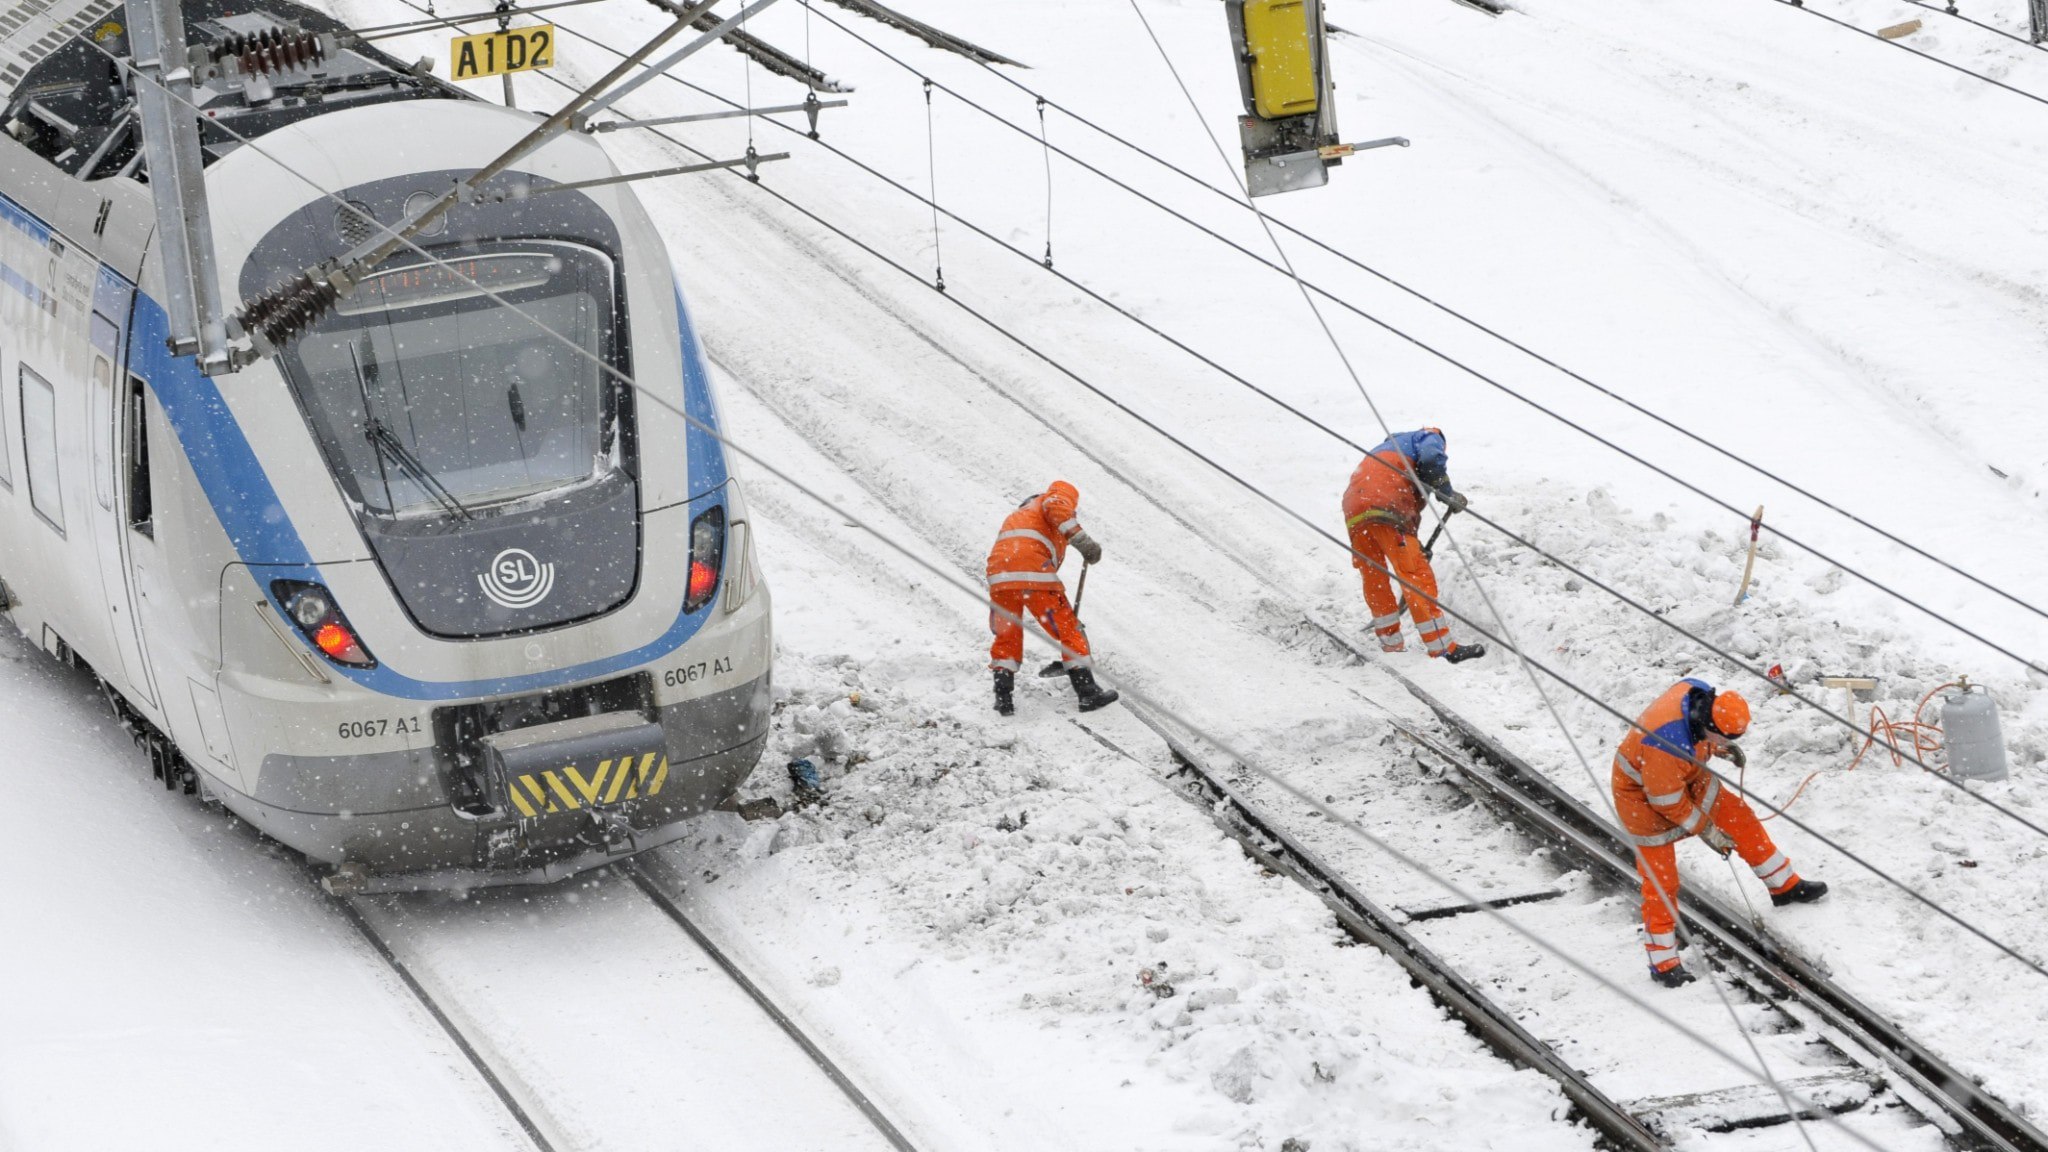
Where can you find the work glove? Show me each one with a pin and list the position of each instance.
(1090, 551)
(1733, 751)
(1718, 840)
(1453, 501)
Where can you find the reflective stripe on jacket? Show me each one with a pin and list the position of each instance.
(1033, 539)
(1660, 791)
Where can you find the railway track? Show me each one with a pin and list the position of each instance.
(609, 1000)
(1866, 1063)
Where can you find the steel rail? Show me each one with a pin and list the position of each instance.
(1545, 809)
(635, 872)
(1266, 842)
(347, 906)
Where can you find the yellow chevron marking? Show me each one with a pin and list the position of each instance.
(619, 779)
(561, 790)
(640, 775)
(568, 790)
(540, 795)
(590, 790)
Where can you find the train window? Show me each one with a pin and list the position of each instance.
(141, 503)
(434, 403)
(39, 447)
(102, 430)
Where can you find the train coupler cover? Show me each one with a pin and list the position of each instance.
(563, 775)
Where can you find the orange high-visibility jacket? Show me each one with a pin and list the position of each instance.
(1660, 791)
(1381, 490)
(1033, 539)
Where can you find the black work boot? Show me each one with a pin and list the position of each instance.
(1673, 977)
(1006, 683)
(1092, 695)
(1460, 653)
(1803, 892)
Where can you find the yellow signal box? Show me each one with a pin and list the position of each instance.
(500, 53)
(1282, 48)
(1289, 128)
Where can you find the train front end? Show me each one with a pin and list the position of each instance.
(490, 612)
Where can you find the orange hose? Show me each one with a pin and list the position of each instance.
(1926, 739)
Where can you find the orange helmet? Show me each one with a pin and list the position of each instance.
(1062, 488)
(1731, 713)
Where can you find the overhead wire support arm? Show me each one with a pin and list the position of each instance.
(282, 314)
(749, 162)
(763, 53)
(728, 114)
(387, 31)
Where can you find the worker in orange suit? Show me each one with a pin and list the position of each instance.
(1382, 510)
(1024, 584)
(1664, 793)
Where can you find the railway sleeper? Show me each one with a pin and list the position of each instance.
(1441, 909)
(1758, 1105)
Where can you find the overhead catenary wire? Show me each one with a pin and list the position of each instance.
(386, 31)
(1603, 705)
(1240, 380)
(1672, 425)
(979, 595)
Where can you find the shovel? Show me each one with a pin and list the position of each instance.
(1059, 667)
(1428, 547)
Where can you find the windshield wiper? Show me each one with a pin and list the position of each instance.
(389, 446)
(387, 443)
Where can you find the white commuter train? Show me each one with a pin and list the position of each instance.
(429, 596)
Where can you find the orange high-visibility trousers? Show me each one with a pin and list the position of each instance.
(1657, 864)
(1045, 603)
(1381, 546)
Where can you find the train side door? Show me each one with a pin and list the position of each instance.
(112, 505)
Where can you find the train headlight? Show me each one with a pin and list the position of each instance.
(309, 608)
(707, 555)
(312, 608)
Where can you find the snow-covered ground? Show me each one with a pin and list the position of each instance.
(1803, 245)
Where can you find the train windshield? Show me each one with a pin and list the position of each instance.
(441, 388)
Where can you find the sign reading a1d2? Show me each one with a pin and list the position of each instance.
(495, 53)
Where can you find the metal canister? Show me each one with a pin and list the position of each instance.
(1969, 725)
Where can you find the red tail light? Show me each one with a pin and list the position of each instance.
(312, 609)
(707, 557)
(339, 643)
(703, 580)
